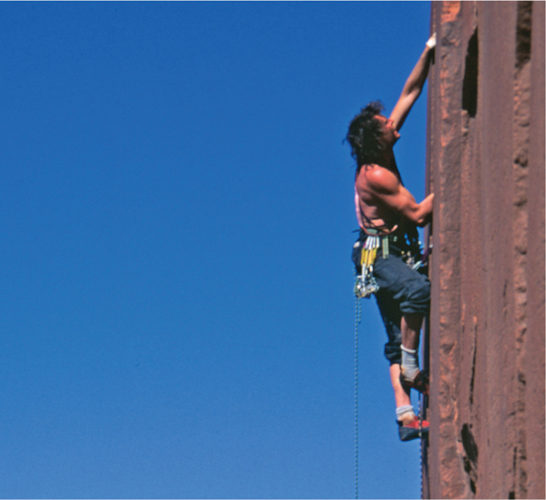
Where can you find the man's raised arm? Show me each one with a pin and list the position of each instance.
(414, 85)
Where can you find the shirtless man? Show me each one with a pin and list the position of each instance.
(386, 210)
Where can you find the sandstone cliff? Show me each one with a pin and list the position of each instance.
(486, 168)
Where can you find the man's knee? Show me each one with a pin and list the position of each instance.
(417, 299)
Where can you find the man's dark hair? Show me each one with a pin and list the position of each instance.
(364, 135)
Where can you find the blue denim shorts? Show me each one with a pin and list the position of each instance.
(402, 290)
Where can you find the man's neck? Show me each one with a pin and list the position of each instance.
(389, 162)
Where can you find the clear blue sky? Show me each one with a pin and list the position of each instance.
(176, 210)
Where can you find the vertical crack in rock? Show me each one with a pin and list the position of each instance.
(521, 138)
(523, 33)
(473, 373)
(470, 457)
(470, 80)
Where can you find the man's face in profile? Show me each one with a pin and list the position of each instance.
(390, 134)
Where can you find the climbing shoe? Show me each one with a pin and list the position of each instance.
(415, 429)
(419, 383)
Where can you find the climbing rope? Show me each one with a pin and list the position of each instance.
(358, 317)
(421, 447)
(423, 407)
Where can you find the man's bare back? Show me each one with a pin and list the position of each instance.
(382, 199)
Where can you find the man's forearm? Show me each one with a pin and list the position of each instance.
(413, 86)
(418, 76)
(425, 211)
(418, 213)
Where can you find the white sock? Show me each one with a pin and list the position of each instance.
(405, 413)
(410, 363)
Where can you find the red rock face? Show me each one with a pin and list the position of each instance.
(487, 326)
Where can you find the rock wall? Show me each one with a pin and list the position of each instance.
(487, 326)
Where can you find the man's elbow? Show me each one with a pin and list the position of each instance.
(412, 93)
(419, 217)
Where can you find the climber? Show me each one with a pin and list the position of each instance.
(388, 216)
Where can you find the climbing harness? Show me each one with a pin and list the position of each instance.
(365, 283)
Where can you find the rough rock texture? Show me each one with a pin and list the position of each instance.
(487, 325)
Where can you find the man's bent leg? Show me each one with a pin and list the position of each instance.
(411, 291)
(411, 329)
(408, 291)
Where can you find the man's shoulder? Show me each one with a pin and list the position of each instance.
(379, 178)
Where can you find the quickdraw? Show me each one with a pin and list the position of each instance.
(366, 284)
